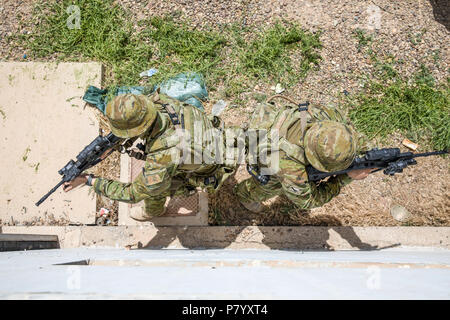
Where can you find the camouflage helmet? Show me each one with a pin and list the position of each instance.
(130, 115)
(330, 146)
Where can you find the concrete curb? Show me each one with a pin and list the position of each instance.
(242, 237)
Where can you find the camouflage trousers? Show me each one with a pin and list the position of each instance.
(184, 186)
(154, 205)
(251, 190)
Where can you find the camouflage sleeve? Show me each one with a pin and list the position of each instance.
(153, 180)
(309, 195)
(304, 194)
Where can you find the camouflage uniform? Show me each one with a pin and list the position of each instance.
(164, 174)
(296, 128)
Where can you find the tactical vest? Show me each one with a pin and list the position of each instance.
(199, 134)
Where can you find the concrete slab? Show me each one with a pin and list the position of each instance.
(42, 126)
(224, 274)
(240, 237)
(180, 211)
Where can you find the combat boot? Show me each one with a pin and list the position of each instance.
(254, 206)
(139, 214)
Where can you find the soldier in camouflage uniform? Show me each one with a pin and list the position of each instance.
(170, 170)
(315, 135)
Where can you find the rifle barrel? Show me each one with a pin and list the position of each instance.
(432, 153)
(49, 193)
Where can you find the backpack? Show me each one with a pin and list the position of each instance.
(268, 116)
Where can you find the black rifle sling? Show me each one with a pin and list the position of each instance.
(124, 148)
(173, 115)
(175, 119)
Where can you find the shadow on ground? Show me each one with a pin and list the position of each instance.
(441, 12)
(317, 233)
(242, 237)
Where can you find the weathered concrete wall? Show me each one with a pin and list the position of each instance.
(296, 238)
(42, 126)
(225, 274)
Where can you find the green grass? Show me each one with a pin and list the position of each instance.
(281, 53)
(389, 103)
(385, 67)
(178, 48)
(268, 53)
(419, 110)
(424, 76)
(417, 37)
(105, 34)
(108, 35)
(236, 57)
(436, 55)
(363, 39)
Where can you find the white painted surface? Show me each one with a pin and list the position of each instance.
(402, 273)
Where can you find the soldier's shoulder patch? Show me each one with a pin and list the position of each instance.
(153, 173)
(153, 179)
(153, 162)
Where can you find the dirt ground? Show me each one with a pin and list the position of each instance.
(415, 31)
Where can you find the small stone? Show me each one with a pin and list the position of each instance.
(400, 213)
(279, 89)
(218, 108)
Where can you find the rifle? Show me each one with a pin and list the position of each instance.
(87, 158)
(389, 159)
